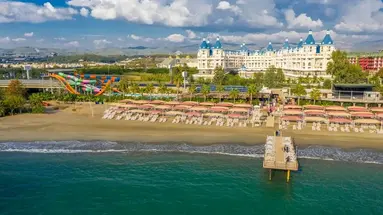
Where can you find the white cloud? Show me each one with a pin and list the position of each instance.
(191, 34)
(224, 5)
(15, 11)
(60, 38)
(84, 12)
(18, 39)
(72, 44)
(120, 39)
(301, 22)
(177, 13)
(175, 38)
(101, 43)
(140, 38)
(4, 39)
(363, 16)
(30, 34)
(40, 40)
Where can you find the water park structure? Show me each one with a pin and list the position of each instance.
(85, 83)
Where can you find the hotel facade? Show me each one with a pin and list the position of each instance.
(307, 58)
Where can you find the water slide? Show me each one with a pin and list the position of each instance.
(85, 84)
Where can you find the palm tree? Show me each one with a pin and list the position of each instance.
(234, 94)
(163, 89)
(251, 90)
(192, 90)
(315, 95)
(205, 91)
(149, 89)
(220, 89)
(123, 85)
(134, 88)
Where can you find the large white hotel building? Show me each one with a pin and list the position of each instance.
(306, 58)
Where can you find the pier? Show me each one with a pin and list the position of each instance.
(280, 154)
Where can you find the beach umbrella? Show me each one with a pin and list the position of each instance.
(155, 112)
(379, 115)
(213, 115)
(243, 105)
(174, 113)
(182, 107)
(190, 103)
(219, 110)
(140, 101)
(224, 104)
(138, 111)
(357, 109)
(315, 119)
(207, 104)
(291, 118)
(129, 106)
(126, 101)
(145, 106)
(172, 103)
(362, 114)
(235, 115)
(314, 112)
(199, 108)
(335, 108)
(340, 120)
(377, 109)
(292, 112)
(193, 114)
(338, 114)
(313, 107)
(292, 107)
(239, 110)
(163, 107)
(366, 121)
(157, 102)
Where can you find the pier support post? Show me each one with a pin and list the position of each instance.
(270, 172)
(288, 176)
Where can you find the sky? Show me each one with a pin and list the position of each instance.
(95, 24)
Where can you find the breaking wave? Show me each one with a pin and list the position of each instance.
(256, 151)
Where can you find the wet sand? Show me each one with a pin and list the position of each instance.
(81, 125)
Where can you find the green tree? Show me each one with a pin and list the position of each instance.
(149, 89)
(220, 89)
(15, 88)
(192, 90)
(234, 94)
(279, 78)
(315, 94)
(205, 91)
(299, 91)
(327, 84)
(163, 89)
(258, 79)
(14, 102)
(219, 76)
(343, 71)
(135, 88)
(269, 77)
(251, 90)
(123, 85)
(36, 102)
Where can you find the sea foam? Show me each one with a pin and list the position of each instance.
(254, 151)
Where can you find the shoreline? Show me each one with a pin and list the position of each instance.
(80, 125)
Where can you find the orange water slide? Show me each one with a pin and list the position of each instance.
(104, 88)
(65, 83)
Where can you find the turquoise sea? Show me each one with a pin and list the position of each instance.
(74, 177)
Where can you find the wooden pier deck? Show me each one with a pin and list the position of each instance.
(280, 154)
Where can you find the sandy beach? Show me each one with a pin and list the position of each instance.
(80, 125)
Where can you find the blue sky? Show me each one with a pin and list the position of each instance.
(96, 24)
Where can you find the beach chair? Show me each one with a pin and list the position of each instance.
(294, 127)
(341, 129)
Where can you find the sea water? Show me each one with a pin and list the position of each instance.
(78, 177)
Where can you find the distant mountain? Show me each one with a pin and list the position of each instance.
(139, 47)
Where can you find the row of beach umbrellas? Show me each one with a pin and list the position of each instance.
(333, 108)
(187, 103)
